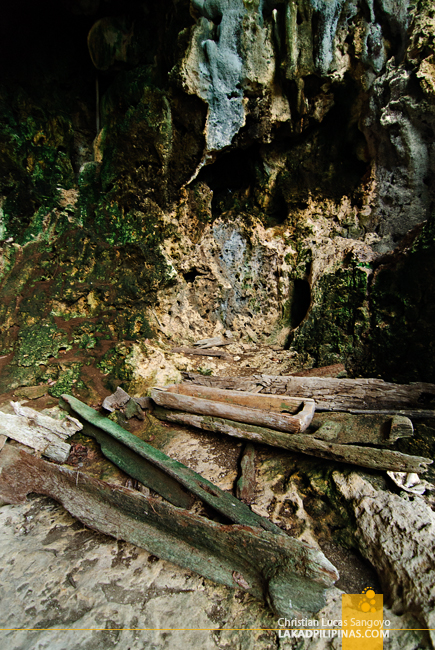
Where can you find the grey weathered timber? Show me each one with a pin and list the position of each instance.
(300, 408)
(246, 483)
(347, 428)
(371, 457)
(334, 394)
(278, 568)
(171, 397)
(158, 471)
(202, 352)
(216, 341)
(40, 432)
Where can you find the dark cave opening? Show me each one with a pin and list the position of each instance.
(190, 276)
(232, 172)
(300, 301)
(44, 41)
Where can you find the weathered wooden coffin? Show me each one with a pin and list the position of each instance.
(268, 565)
(311, 444)
(292, 415)
(169, 478)
(332, 394)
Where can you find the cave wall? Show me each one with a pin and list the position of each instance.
(182, 168)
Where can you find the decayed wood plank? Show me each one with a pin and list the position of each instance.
(203, 352)
(280, 421)
(62, 428)
(415, 414)
(375, 430)
(215, 341)
(275, 567)
(38, 431)
(383, 459)
(401, 427)
(332, 393)
(246, 483)
(273, 403)
(160, 472)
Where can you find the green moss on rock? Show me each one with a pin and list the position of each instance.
(39, 342)
(68, 380)
(338, 318)
(401, 342)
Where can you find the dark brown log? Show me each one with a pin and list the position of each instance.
(231, 411)
(273, 566)
(383, 459)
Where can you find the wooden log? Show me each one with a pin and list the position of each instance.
(275, 403)
(333, 393)
(232, 411)
(278, 568)
(383, 459)
(202, 352)
(216, 341)
(415, 414)
(245, 488)
(158, 471)
(346, 428)
(64, 428)
(40, 432)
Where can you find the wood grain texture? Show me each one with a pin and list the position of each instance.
(158, 471)
(383, 459)
(334, 394)
(232, 411)
(40, 432)
(277, 568)
(300, 408)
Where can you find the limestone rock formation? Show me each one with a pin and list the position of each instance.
(396, 533)
(262, 170)
(294, 132)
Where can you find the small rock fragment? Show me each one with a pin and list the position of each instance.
(117, 400)
(31, 392)
(409, 482)
(132, 409)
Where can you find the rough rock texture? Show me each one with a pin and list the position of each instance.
(58, 574)
(396, 533)
(100, 592)
(265, 167)
(173, 170)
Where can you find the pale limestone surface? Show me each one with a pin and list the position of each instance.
(397, 534)
(243, 272)
(91, 592)
(55, 573)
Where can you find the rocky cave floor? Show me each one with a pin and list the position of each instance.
(79, 588)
